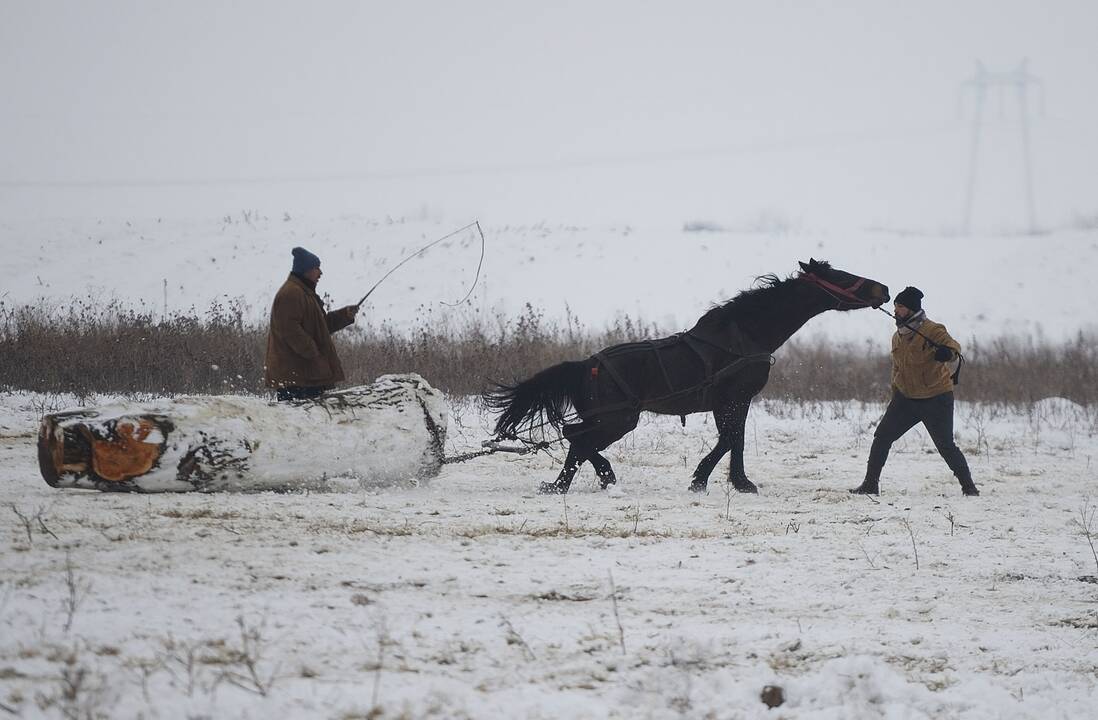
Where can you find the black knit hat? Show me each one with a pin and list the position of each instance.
(304, 260)
(911, 298)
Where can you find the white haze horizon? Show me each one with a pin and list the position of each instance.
(610, 112)
(131, 130)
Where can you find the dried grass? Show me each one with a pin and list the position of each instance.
(90, 347)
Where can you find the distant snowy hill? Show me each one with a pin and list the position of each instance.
(668, 275)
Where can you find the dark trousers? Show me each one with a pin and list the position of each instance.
(289, 394)
(903, 413)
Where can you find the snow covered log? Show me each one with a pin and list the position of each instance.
(389, 431)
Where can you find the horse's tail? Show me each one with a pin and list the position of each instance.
(544, 398)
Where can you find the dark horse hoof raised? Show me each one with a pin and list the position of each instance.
(698, 486)
(551, 488)
(607, 480)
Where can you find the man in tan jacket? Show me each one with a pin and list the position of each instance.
(924, 358)
(301, 358)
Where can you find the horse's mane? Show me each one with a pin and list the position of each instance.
(748, 301)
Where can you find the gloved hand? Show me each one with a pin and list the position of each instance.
(943, 354)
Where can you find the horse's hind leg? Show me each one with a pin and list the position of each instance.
(605, 433)
(603, 469)
(586, 440)
(577, 453)
(564, 479)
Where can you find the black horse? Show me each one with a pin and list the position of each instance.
(717, 366)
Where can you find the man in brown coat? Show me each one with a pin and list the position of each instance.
(301, 359)
(923, 358)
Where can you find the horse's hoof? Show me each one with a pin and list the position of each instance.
(699, 487)
(607, 480)
(746, 487)
(547, 488)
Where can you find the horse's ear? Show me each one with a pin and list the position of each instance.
(804, 268)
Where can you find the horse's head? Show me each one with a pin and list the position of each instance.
(849, 291)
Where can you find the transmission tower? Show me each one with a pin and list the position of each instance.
(979, 86)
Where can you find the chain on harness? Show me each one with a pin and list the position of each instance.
(491, 447)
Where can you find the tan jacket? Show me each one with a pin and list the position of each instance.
(915, 372)
(300, 352)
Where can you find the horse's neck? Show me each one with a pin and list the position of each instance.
(776, 313)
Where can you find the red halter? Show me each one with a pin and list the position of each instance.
(834, 290)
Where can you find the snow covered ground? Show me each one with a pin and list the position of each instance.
(168, 161)
(474, 597)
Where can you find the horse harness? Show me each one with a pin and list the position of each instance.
(738, 347)
(692, 340)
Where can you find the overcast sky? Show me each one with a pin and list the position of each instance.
(569, 110)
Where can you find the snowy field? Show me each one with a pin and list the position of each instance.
(625, 160)
(473, 597)
(982, 286)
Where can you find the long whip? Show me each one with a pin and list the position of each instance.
(425, 248)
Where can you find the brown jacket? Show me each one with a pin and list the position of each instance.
(915, 372)
(300, 352)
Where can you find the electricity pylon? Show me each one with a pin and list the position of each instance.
(1019, 80)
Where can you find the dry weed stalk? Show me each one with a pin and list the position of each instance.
(1085, 521)
(382, 632)
(514, 638)
(186, 657)
(617, 617)
(249, 656)
(80, 693)
(29, 521)
(911, 534)
(76, 591)
(872, 564)
(26, 521)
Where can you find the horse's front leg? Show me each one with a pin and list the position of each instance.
(705, 467)
(737, 423)
(725, 418)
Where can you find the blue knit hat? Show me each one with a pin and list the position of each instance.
(304, 261)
